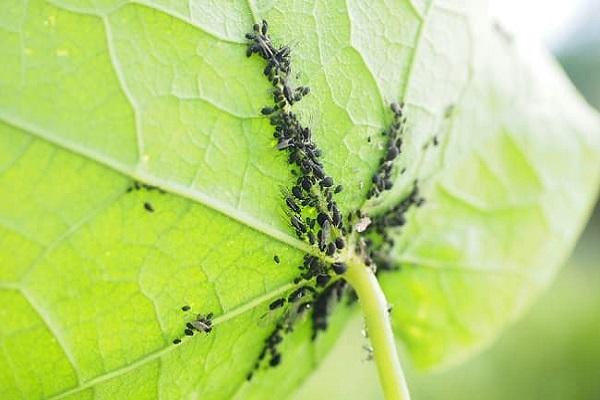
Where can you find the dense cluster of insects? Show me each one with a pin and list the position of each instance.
(142, 186)
(382, 178)
(310, 206)
(139, 186)
(377, 238)
(313, 213)
(200, 323)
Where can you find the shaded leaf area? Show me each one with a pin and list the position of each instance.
(94, 95)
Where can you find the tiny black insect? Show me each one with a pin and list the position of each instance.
(276, 304)
(339, 243)
(318, 171)
(276, 259)
(176, 341)
(287, 92)
(304, 90)
(306, 183)
(189, 332)
(327, 181)
(297, 192)
(396, 109)
(336, 218)
(267, 110)
(293, 206)
(331, 249)
(311, 237)
(339, 267)
(323, 280)
(392, 153)
(298, 224)
(148, 207)
(185, 308)
(275, 360)
(321, 218)
(338, 189)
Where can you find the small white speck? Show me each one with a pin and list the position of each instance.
(362, 224)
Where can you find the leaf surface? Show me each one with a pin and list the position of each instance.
(96, 94)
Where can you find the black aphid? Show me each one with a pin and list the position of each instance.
(318, 171)
(267, 110)
(297, 192)
(339, 267)
(185, 308)
(331, 249)
(148, 207)
(300, 293)
(327, 182)
(276, 259)
(323, 280)
(176, 341)
(275, 360)
(306, 183)
(276, 304)
(336, 217)
(311, 237)
(292, 205)
(298, 224)
(382, 179)
(264, 27)
(322, 218)
(287, 92)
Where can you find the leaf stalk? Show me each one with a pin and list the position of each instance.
(375, 310)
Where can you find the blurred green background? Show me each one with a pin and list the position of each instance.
(553, 352)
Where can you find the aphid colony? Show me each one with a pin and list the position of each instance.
(382, 178)
(378, 241)
(139, 186)
(312, 211)
(302, 299)
(200, 323)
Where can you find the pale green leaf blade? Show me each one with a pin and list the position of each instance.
(519, 166)
(95, 93)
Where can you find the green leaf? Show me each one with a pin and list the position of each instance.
(96, 94)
